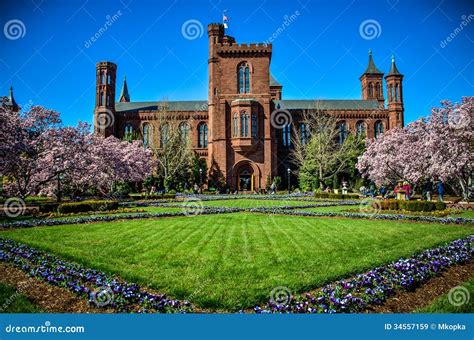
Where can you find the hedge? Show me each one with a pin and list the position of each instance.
(84, 206)
(411, 205)
(331, 195)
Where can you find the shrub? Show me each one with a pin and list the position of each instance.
(330, 195)
(389, 205)
(84, 206)
(48, 207)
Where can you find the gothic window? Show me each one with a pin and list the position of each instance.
(304, 133)
(202, 135)
(286, 137)
(108, 79)
(146, 135)
(184, 130)
(397, 94)
(164, 135)
(343, 132)
(379, 90)
(391, 93)
(254, 126)
(378, 129)
(102, 78)
(360, 128)
(101, 99)
(371, 90)
(236, 125)
(244, 124)
(244, 78)
(128, 132)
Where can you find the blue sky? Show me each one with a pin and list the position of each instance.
(321, 54)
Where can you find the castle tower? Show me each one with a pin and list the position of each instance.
(395, 96)
(372, 82)
(216, 134)
(104, 112)
(124, 96)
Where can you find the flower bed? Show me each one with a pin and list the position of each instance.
(101, 289)
(395, 217)
(187, 210)
(373, 287)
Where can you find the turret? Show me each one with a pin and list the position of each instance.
(124, 96)
(394, 81)
(104, 113)
(372, 82)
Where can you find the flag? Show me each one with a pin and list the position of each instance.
(225, 18)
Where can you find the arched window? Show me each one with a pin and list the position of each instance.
(286, 137)
(146, 135)
(108, 79)
(163, 135)
(244, 78)
(184, 130)
(391, 93)
(202, 135)
(379, 90)
(360, 128)
(378, 129)
(244, 124)
(101, 99)
(236, 125)
(371, 90)
(343, 131)
(304, 133)
(128, 132)
(254, 126)
(397, 94)
(102, 78)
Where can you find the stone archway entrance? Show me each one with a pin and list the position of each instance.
(245, 177)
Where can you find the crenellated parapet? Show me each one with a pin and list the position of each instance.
(237, 50)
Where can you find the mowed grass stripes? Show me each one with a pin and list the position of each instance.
(233, 261)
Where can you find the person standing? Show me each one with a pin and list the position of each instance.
(383, 191)
(428, 189)
(440, 191)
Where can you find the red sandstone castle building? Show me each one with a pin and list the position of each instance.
(235, 128)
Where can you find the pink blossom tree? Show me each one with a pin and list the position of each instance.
(37, 155)
(439, 147)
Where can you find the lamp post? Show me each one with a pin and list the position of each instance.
(289, 180)
(200, 179)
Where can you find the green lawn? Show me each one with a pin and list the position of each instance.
(254, 203)
(442, 304)
(13, 302)
(233, 261)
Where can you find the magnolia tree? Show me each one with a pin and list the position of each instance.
(438, 147)
(36, 153)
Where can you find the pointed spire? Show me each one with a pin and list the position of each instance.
(11, 99)
(371, 68)
(393, 68)
(124, 96)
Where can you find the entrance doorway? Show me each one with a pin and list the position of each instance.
(245, 180)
